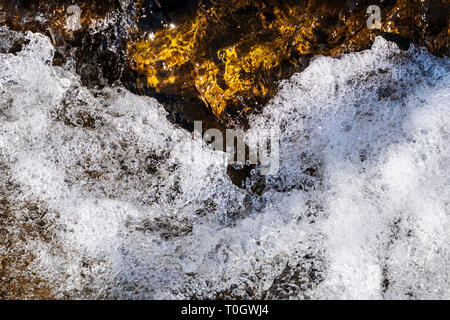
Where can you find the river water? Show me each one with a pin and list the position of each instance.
(100, 197)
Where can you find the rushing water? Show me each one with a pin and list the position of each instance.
(99, 198)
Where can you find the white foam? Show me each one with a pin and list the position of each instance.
(378, 122)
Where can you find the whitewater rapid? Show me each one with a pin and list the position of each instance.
(358, 209)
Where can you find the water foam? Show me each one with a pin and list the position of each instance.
(378, 123)
(359, 208)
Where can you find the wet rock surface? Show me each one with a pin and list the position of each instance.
(221, 58)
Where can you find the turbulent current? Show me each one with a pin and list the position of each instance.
(100, 197)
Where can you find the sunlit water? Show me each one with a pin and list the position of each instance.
(359, 208)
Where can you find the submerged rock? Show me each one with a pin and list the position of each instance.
(230, 55)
